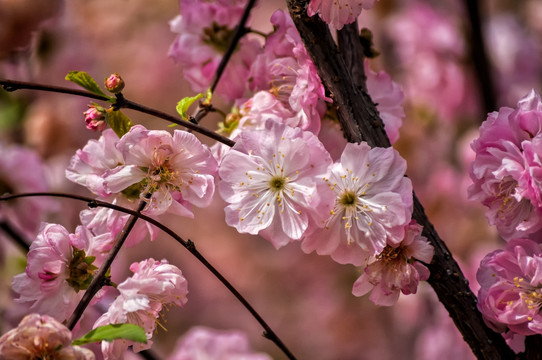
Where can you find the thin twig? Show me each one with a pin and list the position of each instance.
(12, 85)
(98, 279)
(361, 122)
(240, 31)
(189, 245)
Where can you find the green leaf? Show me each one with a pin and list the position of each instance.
(185, 103)
(86, 81)
(119, 122)
(208, 97)
(111, 332)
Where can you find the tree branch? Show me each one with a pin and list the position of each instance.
(12, 85)
(98, 279)
(361, 122)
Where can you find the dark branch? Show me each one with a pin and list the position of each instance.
(361, 122)
(353, 54)
(11, 85)
(240, 31)
(98, 280)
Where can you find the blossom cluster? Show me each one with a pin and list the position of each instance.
(506, 179)
(506, 170)
(279, 181)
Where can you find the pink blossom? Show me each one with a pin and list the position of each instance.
(337, 13)
(396, 269)
(154, 286)
(286, 71)
(108, 223)
(388, 97)
(506, 172)
(205, 343)
(373, 203)
(273, 181)
(511, 288)
(177, 170)
(205, 29)
(59, 265)
(88, 166)
(41, 337)
(15, 163)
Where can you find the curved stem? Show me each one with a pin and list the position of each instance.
(99, 278)
(361, 122)
(240, 31)
(188, 244)
(12, 85)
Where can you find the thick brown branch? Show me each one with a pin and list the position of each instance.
(361, 122)
(353, 54)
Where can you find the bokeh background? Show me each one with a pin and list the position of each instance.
(424, 45)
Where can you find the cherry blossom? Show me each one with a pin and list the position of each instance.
(177, 170)
(511, 288)
(273, 181)
(59, 265)
(395, 269)
(205, 29)
(286, 71)
(41, 337)
(154, 286)
(89, 164)
(205, 343)
(373, 203)
(506, 170)
(337, 13)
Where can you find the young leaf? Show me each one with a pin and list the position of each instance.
(86, 81)
(111, 332)
(119, 122)
(185, 103)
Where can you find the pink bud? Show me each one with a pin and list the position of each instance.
(95, 118)
(114, 83)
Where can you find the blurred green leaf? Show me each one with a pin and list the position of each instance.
(112, 332)
(119, 122)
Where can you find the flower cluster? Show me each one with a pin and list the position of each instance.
(154, 286)
(59, 266)
(506, 171)
(510, 296)
(177, 171)
(280, 183)
(205, 29)
(395, 268)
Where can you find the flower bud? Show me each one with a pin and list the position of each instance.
(95, 118)
(114, 83)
